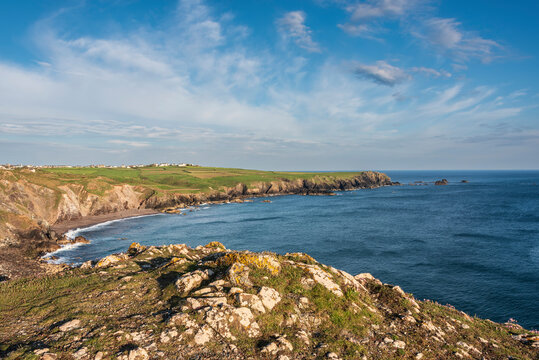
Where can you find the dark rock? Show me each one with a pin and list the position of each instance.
(441, 182)
(464, 181)
(81, 239)
(63, 240)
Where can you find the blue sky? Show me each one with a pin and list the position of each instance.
(288, 85)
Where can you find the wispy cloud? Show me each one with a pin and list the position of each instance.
(431, 72)
(137, 144)
(416, 18)
(292, 26)
(361, 30)
(386, 74)
(379, 8)
(382, 73)
(446, 35)
(366, 16)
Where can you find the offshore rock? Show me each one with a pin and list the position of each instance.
(441, 182)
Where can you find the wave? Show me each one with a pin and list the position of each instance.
(482, 236)
(260, 219)
(71, 234)
(60, 259)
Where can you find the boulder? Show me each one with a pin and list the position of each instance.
(70, 325)
(80, 240)
(192, 280)
(215, 245)
(110, 260)
(204, 335)
(324, 279)
(86, 265)
(441, 182)
(280, 344)
(260, 261)
(251, 301)
(135, 249)
(269, 297)
(238, 274)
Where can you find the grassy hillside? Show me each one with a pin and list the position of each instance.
(211, 303)
(190, 179)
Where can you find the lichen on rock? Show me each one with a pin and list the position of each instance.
(260, 261)
(207, 303)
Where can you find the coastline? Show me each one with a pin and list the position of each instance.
(87, 221)
(32, 237)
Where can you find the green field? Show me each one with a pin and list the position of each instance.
(190, 179)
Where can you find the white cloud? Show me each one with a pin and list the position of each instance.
(122, 54)
(292, 26)
(365, 16)
(431, 72)
(446, 35)
(362, 30)
(382, 72)
(198, 25)
(415, 16)
(379, 8)
(137, 144)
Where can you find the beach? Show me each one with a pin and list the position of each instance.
(86, 221)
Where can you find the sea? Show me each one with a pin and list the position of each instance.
(473, 245)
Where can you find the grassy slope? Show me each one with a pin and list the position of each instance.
(138, 296)
(164, 179)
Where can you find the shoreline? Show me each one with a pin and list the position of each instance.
(67, 225)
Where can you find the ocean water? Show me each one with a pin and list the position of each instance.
(473, 245)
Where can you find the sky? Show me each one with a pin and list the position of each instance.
(276, 85)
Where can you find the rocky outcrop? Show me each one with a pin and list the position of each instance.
(145, 304)
(316, 186)
(441, 182)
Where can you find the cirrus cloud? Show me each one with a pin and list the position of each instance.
(292, 26)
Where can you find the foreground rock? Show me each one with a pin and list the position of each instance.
(176, 302)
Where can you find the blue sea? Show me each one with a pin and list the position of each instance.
(473, 245)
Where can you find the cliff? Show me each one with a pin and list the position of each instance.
(176, 302)
(35, 206)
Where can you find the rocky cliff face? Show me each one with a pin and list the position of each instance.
(318, 186)
(176, 302)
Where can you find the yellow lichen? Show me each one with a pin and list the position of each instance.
(175, 260)
(109, 260)
(260, 261)
(215, 244)
(135, 248)
(301, 257)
